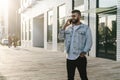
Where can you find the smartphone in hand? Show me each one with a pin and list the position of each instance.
(69, 21)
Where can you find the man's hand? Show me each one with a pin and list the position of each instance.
(68, 22)
(82, 54)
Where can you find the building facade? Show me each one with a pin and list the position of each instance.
(41, 21)
(14, 24)
(3, 20)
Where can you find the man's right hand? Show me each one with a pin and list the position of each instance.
(68, 22)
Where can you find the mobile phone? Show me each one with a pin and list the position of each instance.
(70, 21)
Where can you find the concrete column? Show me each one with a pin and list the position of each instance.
(86, 14)
(21, 29)
(92, 25)
(118, 31)
(45, 30)
(54, 31)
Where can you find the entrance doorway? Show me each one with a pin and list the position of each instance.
(106, 35)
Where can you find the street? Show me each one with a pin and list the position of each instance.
(40, 64)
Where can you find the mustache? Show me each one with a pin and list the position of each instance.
(75, 20)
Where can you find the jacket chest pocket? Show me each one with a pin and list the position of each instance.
(81, 34)
(67, 34)
(81, 39)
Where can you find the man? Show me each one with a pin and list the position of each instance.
(78, 41)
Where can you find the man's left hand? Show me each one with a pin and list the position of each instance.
(82, 54)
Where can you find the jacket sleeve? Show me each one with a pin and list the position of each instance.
(88, 43)
(61, 35)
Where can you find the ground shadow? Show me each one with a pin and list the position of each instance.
(2, 77)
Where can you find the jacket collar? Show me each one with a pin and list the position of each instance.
(80, 26)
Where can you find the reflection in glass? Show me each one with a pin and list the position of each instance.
(107, 34)
(30, 25)
(61, 19)
(50, 24)
(25, 30)
(22, 25)
(79, 5)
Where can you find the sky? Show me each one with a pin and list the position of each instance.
(3, 6)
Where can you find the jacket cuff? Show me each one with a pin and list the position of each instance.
(84, 52)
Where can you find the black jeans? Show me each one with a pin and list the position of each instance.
(81, 64)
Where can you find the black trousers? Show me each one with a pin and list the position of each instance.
(81, 64)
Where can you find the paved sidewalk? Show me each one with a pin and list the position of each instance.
(40, 64)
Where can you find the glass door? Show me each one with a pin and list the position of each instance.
(106, 35)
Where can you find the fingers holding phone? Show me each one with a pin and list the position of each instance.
(68, 22)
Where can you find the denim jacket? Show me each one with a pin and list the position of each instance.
(82, 38)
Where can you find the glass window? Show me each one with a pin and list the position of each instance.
(22, 31)
(107, 3)
(107, 35)
(79, 5)
(25, 31)
(30, 29)
(61, 19)
(50, 24)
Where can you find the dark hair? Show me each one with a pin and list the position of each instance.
(76, 11)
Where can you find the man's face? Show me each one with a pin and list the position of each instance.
(75, 18)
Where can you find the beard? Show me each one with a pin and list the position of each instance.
(74, 21)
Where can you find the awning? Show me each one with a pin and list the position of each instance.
(99, 10)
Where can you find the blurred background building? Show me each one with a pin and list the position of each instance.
(14, 22)
(3, 19)
(9, 19)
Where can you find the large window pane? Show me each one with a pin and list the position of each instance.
(25, 31)
(107, 3)
(49, 28)
(79, 5)
(30, 29)
(107, 35)
(22, 31)
(61, 19)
